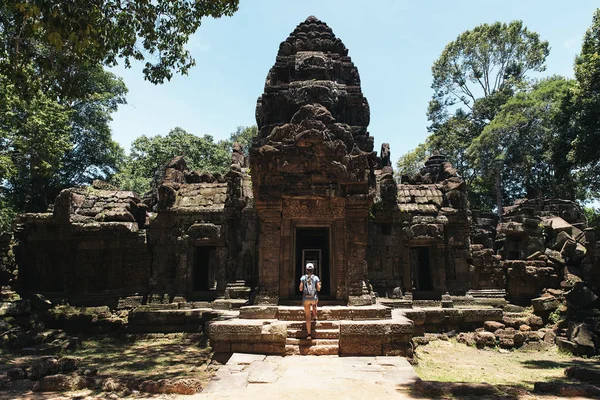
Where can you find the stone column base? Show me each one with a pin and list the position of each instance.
(363, 300)
(266, 298)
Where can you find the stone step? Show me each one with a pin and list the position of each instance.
(322, 350)
(236, 284)
(315, 325)
(228, 304)
(337, 313)
(312, 342)
(318, 333)
(495, 293)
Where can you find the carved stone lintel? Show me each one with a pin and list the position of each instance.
(313, 208)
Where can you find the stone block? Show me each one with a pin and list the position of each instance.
(484, 339)
(580, 296)
(492, 326)
(482, 315)
(14, 308)
(259, 312)
(544, 304)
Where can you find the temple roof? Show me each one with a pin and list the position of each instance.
(312, 35)
(420, 194)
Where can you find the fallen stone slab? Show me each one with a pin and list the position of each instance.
(545, 304)
(485, 338)
(580, 296)
(244, 358)
(492, 326)
(441, 389)
(171, 386)
(567, 389)
(583, 373)
(62, 382)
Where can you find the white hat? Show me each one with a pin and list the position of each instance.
(310, 266)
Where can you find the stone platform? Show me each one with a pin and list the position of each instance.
(340, 330)
(436, 320)
(249, 376)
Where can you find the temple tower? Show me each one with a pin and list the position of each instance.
(312, 169)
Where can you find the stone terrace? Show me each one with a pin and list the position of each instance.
(374, 330)
(341, 330)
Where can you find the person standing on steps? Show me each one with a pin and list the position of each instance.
(310, 285)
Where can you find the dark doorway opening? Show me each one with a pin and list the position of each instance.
(421, 268)
(203, 275)
(312, 245)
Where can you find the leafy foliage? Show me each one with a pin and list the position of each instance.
(473, 78)
(481, 62)
(585, 110)
(243, 135)
(524, 134)
(593, 218)
(149, 154)
(86, 33)
(47, 144)
(412, 162)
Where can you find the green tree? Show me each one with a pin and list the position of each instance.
(34, 136)
(83, 32)
(243, 135)
(473, 77)
(411, 162)
(149, 154)
(482, 62)
(526, 137)
(93, 153)
(585, 109)
(47, 143)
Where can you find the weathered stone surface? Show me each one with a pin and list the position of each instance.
(492, 326)
(583, 373)
(580, 296)
(467, 338)
(567, 389)
(545, 304)
(171, 386)
(485, 339)
(61, 382)
(582, 335)
(14, 308)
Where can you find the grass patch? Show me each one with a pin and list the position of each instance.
(147, 356)
(450, 361)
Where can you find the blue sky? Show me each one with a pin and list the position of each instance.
(393, 44)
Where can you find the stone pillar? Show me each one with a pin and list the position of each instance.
(357, 212)
(269, 254)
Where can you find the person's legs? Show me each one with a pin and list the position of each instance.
(307, 305)
(314, 309)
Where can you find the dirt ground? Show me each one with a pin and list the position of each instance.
(513, 372)
(177, 355)
(143, 357)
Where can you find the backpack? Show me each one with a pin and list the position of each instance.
(310, 287)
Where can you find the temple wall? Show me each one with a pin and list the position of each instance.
(74, 261)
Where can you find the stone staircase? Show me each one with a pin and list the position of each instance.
(325, 339)
(340, 330)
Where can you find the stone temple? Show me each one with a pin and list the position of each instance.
(312, 189)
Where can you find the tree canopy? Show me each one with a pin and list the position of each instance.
(202, 153)
(476, 74)
(585, 109)
(481, 62)
(485, 110)
(80, 33)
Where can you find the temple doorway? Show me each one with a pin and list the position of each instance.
(312, 245)
(203, 274)
(420, 268)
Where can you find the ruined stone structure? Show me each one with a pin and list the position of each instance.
(312, 189)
